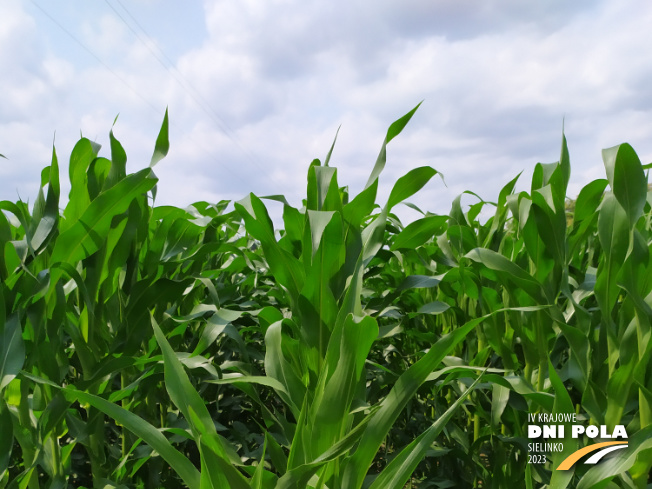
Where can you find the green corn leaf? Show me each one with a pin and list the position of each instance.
(418, 232)
(318, 221)
(48, 223)
(551, 224)
(456, 216)
(12, 348)
(294, 222)
(621, 379)
(162, 142)
(345, 358)
(300, 449)
(418, 282)
(373, 237)
(563, 404)
(614, 238)
(97, 174)
(394, 130)
(499, 400)
(398, 125)
(409, 184)
(588, 199)
(330, 151)
(361, 206)
(250, 379)
(564, 164)
(81, 157)
(323, 191)
(118, 169)
(434, 307)
(626, 178)
(280, 369)
(325, 236)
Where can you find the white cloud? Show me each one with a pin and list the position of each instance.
(262, 87)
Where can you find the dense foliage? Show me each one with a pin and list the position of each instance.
(148, 347)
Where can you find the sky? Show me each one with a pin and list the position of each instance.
(257, 89)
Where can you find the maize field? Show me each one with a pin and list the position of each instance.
(147, 346)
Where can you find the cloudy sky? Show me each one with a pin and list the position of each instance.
(257, 89)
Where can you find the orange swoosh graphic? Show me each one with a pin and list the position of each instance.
(575, 456)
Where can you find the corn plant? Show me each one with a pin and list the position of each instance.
(152, 346)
